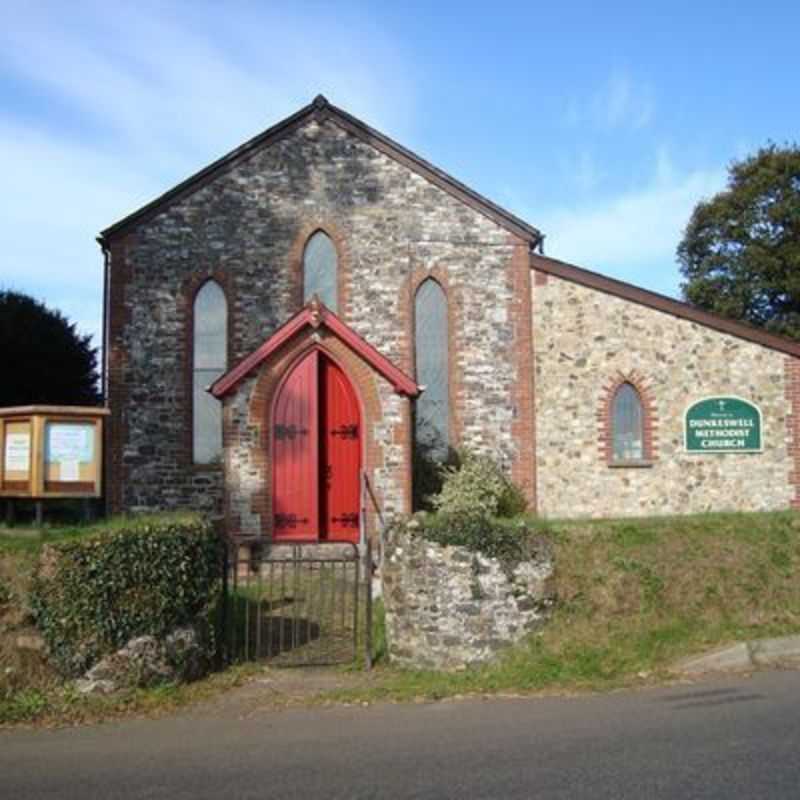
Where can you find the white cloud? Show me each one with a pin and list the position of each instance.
(621, 102)
(130, 99)
(633, 234)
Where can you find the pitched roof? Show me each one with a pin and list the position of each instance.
(314, 315)
(660, 302)
(321, 109)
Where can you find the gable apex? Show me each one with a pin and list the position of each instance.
(314, 315)
(320, 108)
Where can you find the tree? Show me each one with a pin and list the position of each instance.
(740, 252)
(43, 358)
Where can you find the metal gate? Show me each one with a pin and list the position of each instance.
(296, 603)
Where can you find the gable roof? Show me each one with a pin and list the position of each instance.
(314, 315)
(321, 110)
(660, 302)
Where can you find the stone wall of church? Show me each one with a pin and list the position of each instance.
(246, 228)
(585, 342)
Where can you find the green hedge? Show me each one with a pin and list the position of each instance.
(139, 576)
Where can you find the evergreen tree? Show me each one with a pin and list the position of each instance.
(44, 359)
(740, 253)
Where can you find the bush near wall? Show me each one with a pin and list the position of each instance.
(141, 576)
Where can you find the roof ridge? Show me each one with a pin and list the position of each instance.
(321, 107)
(663, 303)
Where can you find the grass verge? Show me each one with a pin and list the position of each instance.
(635, 596)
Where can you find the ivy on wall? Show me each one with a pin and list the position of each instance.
(144, 576)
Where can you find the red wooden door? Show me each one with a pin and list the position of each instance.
(316, 454)
(340, 439)
(295, 453)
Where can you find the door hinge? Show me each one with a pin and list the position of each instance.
(346, 431)
(289, 431)
(349, 520)
(289, 521)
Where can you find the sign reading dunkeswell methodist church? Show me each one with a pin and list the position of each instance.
(723, 425)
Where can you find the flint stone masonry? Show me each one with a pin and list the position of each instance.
(147, 661)
(584, 339)
(448, 607)
(246, 228)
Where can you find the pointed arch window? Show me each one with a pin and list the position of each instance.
(432, 419)
(627, 425)
(210, 348)
(320, 268)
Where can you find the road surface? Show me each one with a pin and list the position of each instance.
(726, 738)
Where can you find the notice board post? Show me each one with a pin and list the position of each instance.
(51, 452)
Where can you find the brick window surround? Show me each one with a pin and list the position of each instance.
(649, 420)
(191, 289)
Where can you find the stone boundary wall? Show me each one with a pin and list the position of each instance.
(448, 607)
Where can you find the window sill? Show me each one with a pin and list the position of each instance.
(639, 464)
(206, 467)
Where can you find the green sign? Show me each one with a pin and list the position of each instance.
(723, 425)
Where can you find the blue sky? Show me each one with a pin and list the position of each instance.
(601, 124)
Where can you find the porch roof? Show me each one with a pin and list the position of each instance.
(316, 314)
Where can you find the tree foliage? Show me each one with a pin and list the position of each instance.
(44, 359)
(740, 252)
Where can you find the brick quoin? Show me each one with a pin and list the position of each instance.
(116, 432)
(792, 382)
(523, 427)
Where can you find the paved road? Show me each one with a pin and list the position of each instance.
(731, 738)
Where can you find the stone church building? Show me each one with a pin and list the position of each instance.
(284, 328)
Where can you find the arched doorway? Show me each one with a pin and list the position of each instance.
(316, 453)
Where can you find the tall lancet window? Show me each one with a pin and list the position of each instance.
(319, 270)
(627, 425)
(210, 361)
(430, 342)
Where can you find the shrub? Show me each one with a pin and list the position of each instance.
(141, 576)
(429, 471)
(510, 541)
(478, 487)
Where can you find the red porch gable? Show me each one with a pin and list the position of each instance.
(314, 315)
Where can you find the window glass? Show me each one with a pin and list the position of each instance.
(319, 270)
(210, 360)
(627, 425)
(430, 342)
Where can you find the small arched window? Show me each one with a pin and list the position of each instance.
(320, 270)
(627, 425)
(430, 343)
(210, 346)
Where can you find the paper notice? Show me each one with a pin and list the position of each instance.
(69, 470)
(18, 452)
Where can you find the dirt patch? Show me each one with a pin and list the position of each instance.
(274, 689)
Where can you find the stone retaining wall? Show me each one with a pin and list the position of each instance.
(448, 607)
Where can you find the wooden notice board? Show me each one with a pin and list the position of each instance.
(51, 451)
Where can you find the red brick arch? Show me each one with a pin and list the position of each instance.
(192, 286)
(439, 274)
(333, 231)
(649, 418)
